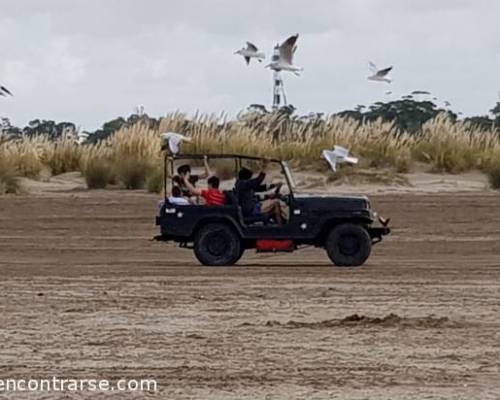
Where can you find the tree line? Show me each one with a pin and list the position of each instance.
(407, 113)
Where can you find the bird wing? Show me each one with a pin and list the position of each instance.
(350, 160)
(287, 48)
(342, 155)
(251, 46)
(331, 158)
(384, 72)
(372, 67)
(341, 152)
(421, 92)
(4, 89)
(174, 140)
(247, 59)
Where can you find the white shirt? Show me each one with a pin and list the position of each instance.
(178, 201)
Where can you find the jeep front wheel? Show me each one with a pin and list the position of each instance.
(348, 245)
(217, 245)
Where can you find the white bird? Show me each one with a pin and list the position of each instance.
(379, 75)
(4, 91)
(81, 137)
(249, 52)
(338, 155)
(283, 61)
(173, 141)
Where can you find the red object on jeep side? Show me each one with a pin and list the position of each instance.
(271, 246)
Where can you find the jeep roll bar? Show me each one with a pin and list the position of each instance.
(170, 159)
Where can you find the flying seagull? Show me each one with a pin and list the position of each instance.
(379, 75)
(338, 155)
(4, 91)
(173, 141)
(251, 51)
(81, 137)
(421, 92)
(283, 61)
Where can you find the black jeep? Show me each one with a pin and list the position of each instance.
(341, 224)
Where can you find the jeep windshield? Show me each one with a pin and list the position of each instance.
(289, 175)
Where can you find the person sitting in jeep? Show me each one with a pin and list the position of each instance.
(213, 195)
(184, 170)
(245, 189)
(176, 198)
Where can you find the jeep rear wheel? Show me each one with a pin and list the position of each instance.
(217, 245)
(348, 245)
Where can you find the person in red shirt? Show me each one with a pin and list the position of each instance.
(213, 195)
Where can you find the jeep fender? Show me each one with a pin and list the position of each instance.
(332, 223)
(225, 219)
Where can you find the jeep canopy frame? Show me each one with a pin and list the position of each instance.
(170, 159)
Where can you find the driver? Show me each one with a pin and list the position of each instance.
(245, 188)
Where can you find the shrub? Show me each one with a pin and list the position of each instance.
(9, 180)
(132, 172)
(493, 172)
(453, 147)
(62, 156)
(98, 174)
(26, 161)
(445, 144)
(154, 180)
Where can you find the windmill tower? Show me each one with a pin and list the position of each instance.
(279, 97)
(281, 60)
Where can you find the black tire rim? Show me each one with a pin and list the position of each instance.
(349, 245)
(217, 243)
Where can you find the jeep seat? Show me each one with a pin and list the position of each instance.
(250, 220)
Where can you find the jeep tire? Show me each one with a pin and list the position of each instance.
(348, 245)
(217, 244)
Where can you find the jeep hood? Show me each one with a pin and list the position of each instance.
(335, 201)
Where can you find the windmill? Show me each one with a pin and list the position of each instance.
(278, 88)
(282, 60)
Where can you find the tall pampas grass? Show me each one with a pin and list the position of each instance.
(132, 154)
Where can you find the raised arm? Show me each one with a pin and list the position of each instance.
(208, 172)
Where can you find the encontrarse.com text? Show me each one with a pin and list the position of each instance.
(56, 384)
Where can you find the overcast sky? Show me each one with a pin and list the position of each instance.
(88, 61)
